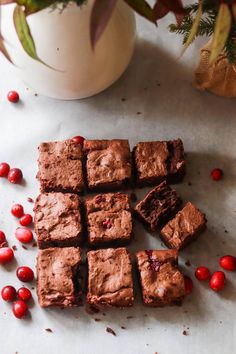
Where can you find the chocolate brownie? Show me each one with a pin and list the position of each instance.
(60, 167)
(161, 281)
(158, 206)
(58, 220)
(109, 219)
(58, 277)
(156, 161)
(110, 282)
(108, 164)
(186, 225)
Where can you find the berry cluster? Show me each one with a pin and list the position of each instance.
(14, 175)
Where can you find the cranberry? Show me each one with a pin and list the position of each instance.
(6, 255)
(25, 274)
(19, 308)
(15, 175)
(24, 294)
(23, 235)
(13, 96)
(188, 285)
(202, 273)
(2, 237)
(4, 169)
(107, 224)
(26, 220)
(78, 140)
(216, 174)
(217, 280)
(8, 293)
(17, 210)
(228, 262)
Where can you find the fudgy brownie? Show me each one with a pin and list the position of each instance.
(60, 167)
(158, 206)
(161, 281)
(156, 161)
(110, 282)
(58, 278)
(186, 225)
(58, 220)
(108, 164)
(109, 219)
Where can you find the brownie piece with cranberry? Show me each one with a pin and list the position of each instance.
(60, 167)
(58, 220)
(110, 282)
(108, 164)
(58, 277)
(184, 228)
(109, 219)
(159, 205)
(161, 281)
(156, 161)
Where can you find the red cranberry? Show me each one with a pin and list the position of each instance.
(6, 255)
(17, 210)
(107, 224)
(19, 308)
(202, 273)
(13, 96)
(188, 285)
(78, 140)
(8, 293)
(216, 174)
(2, 237)
(4, 169)
(23, 235)
(25, 274)
(24, 294)
(26, 220)
(15, 175)
(217, 281)
(228, 262)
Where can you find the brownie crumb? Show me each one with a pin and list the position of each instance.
(34, 244)
(187, 263)
(91, 310)
(123, 327)
(110, 330)
(14, 248)
(48, 330)
(97, 319)
(184, 333)
(36, 94)
(123, 99)
(32, 287)
(23, 246)
(189, 184)
(133, 197)
(103, 314)
(138, 113)
(130, 317)
(30, 200)
(226, 231)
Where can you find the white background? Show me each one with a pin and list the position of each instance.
(158, 85)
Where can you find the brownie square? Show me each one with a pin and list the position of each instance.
(60, 167)
(158, 206)
(185, 227)
(156, 161)
(58, 277)
(110, 282)
(108, 164)
(161, 281)
(109, 219)
(58, 220)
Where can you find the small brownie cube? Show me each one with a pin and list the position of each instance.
(108, 164)
(58, 220)
(110, 282)
(158, 206)
(60, 167)
(156, 161)
(161, 281)
(109, 219)
(186, 225)
(58, 277)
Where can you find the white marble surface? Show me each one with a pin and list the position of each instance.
(159, 86)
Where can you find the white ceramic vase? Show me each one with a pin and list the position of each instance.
(63, 42)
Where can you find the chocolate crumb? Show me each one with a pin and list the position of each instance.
(138, 113)
(123, 99)
(36, 94)
(23, 246)
(32, 287)
(185, 333)
(123, 327)
(110, 330)
(34, 244)
(189, 184)
(103, 314)
(226, 231)
(14, 248)
(97, 319)
(48, 330)
(187, 263)
(130, 317)
(133, 197)
(91, 310)
(30, 200)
